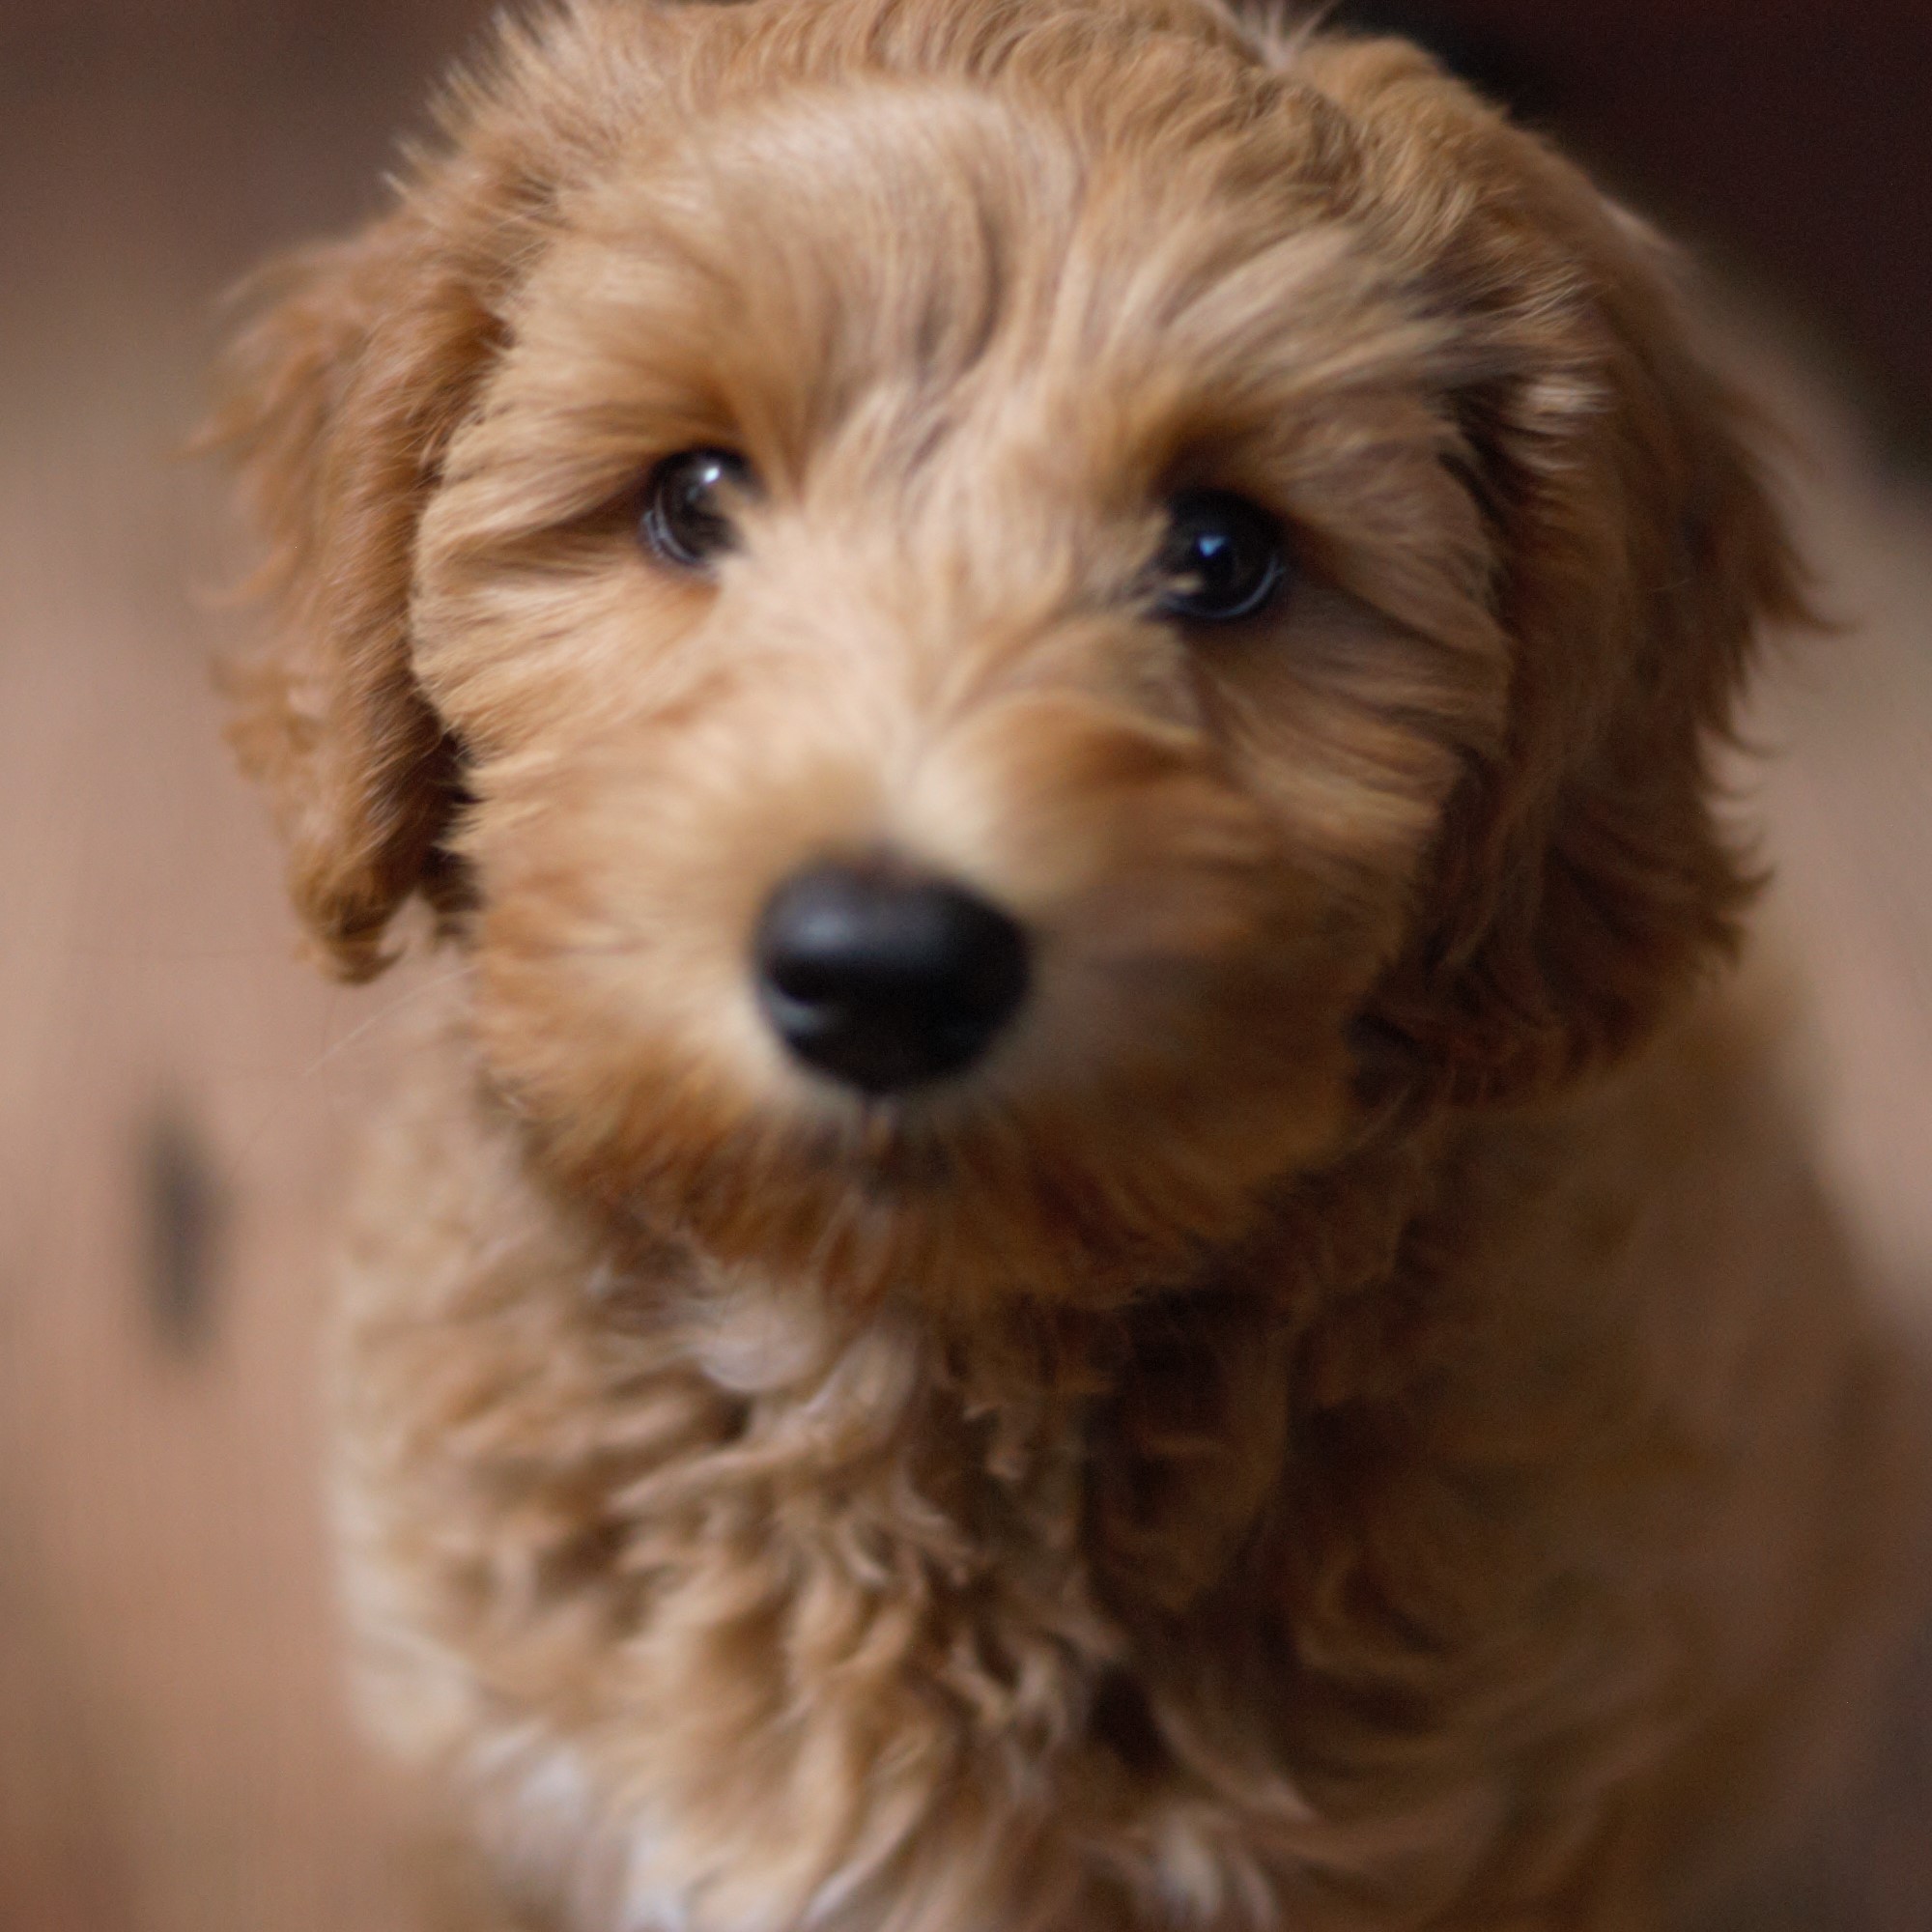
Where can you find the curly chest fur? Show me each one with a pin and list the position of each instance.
(729, 1612)
(821, 1614)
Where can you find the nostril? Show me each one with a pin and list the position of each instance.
(885, 982)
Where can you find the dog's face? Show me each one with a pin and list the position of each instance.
(882, 834)
(992, 623)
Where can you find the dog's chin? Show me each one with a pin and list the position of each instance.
(957, 1199)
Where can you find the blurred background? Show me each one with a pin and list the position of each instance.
(176, 1087)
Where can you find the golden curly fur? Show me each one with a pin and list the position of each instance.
(1353, 1416)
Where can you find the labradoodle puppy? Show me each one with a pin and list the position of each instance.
(1088, 1243)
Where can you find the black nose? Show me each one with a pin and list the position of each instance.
(886, 981)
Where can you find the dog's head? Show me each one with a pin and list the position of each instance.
(992, 621)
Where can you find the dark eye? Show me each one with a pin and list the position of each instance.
(1224, 558)
(688, 498)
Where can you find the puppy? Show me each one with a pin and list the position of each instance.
(1089, 1242)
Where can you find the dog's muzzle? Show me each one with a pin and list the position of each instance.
(886, 980)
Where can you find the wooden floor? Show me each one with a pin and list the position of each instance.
(176, 1087)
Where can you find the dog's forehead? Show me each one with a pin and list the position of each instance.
(803, 254)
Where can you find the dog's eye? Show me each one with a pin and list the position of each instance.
(686, 520)
(1224, 558)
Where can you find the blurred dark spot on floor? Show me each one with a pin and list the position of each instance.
(182, 1214)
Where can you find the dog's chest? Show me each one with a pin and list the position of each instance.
(731, 1627)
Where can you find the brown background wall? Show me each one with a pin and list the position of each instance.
(175, 1086)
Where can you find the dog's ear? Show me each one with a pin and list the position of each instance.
(341, 397)
(1583, 880)
(340, 400)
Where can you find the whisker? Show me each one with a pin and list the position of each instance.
(388, 1012)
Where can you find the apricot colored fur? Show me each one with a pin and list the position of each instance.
(1356, 1417)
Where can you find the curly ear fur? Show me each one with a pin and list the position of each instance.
(345, 393)
(1583, 880)
(340, 400)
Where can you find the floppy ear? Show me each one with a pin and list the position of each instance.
(341, 400)
(343, 395)
(1582, 881)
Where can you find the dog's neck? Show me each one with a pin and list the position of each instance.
(1361, 1490)
(1176, 1413)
